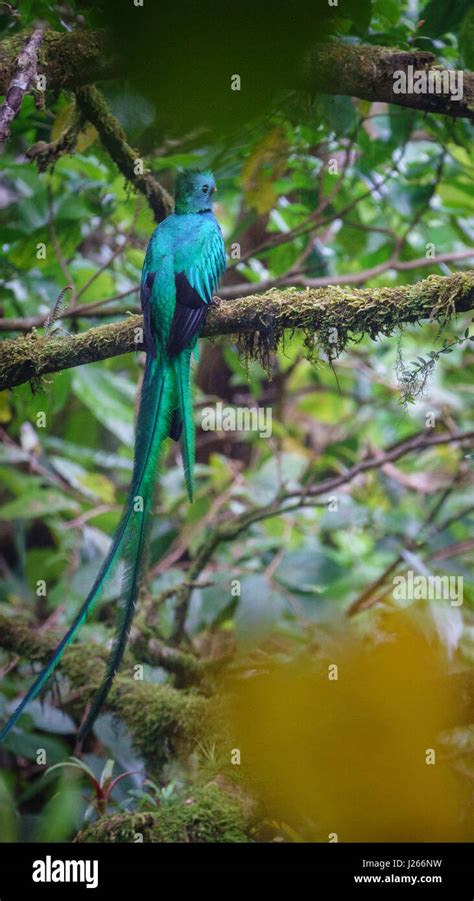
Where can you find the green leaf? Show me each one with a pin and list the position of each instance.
(26, 744)
(339, 113)
(286, 470)
(61, 815)
(38, 502)
(51, 719)
(466, 39)
(108, 397)
(259, 609)
(93, 485)
(308, 571)
(443, 17)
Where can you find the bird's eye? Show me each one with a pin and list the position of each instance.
(205, 189)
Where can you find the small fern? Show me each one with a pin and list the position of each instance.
(413, 378)
(59, 308)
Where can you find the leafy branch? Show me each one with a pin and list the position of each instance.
(229, 528)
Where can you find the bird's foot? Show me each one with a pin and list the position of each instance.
(57, 332)
(215, 301)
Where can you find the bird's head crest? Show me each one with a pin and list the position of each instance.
(194, 190)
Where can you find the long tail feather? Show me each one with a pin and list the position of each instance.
(95, 592)
(161, 394)
(122, 630)
(181, 365)
(155, 405)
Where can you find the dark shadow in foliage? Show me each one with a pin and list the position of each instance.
(182, 56)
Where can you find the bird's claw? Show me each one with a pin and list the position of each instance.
(215, 301)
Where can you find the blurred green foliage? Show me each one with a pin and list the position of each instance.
(63, 478)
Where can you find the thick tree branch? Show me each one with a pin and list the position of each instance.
(261, 319)
(94, 108)
(369, 73)
(102, 309)
(67, 59)
(21, 82)
(83, 57)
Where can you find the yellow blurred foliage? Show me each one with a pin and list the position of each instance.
(5, 409)
(346, 750)
(266, 164)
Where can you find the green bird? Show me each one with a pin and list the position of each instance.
(184, 262)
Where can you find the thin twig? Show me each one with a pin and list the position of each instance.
(118, 252)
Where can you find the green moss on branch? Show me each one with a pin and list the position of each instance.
(164, 722)
(361, 70)
(85, 56)
(66, 59)
(208, 814)
(94, 108)
(330, 316)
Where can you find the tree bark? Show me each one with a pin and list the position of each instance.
(67, 59)
(94, 108)
(335, 315)
(369, 73)
(22, 81)
(364, 71)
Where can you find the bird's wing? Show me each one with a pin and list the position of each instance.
(157, 296)
(196, 278)
(189, 313)
(204, 268)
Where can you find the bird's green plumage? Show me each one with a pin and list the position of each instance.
(184, 261)
(181, 368)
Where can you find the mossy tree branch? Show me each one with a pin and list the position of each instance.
(85, 56)
(22, 81)
(260, 320)
(216, 812)
(368, 72)
(94, 108)
(164, 721)
(67, 59)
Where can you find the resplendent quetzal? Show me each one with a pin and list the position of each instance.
(184, 261)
